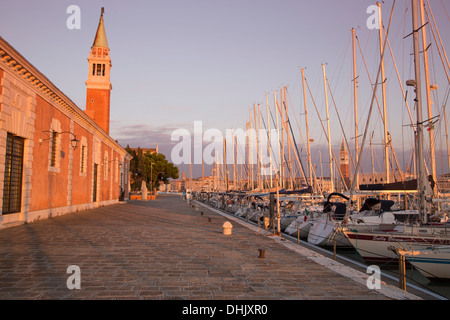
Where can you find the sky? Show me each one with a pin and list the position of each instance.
(179, 61)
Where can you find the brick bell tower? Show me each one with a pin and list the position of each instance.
(344, 160)
(98, 84)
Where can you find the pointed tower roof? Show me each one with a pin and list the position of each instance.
(343, 146)
(100, 38)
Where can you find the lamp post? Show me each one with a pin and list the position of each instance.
(73, 142)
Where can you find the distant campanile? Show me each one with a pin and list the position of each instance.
(344, 160)
(98, 84)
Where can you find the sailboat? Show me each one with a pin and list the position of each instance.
(384, 246)
(433, 262)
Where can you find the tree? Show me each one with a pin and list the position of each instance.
(151, 168)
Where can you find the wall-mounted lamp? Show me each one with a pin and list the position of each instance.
(120, 163)
(73, 142)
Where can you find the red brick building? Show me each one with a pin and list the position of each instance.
(56, 158)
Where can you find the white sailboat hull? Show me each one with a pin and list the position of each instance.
(299, 227)
(322, 232)
(376, 247)
(432, 262)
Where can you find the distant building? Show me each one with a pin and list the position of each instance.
(443, 183)
(54, 157)
(145, 150)
(344, 161)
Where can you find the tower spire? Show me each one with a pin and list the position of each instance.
(100, 37)
(98, 84)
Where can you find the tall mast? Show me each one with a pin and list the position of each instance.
(251, 184)
(282, 141)
(278, 140)
(421, 181)
(260, 147)
(355, 98)
(383, 85)
(289, 165)
(428, 90)
(258, 173)
(446, 136)
(330, 163)
(270, 141)
(308, 143)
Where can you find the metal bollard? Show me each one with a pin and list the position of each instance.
(261, 253)
(227, 226)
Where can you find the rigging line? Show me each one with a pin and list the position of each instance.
(279, 142)
(445, 9)
(298, 156)
(301, 135)
(345, 138)
(370, 79)
(440, 40)
(270, 142)
(296, 120)
(404, 95)
(296, 147)
(340, 123)
(370, 110)
(284, 124)
(321, 122)
(398, 77)
(341, 59)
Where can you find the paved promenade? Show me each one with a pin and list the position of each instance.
(165, 249)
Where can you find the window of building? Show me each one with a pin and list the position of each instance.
(54, 152)
(54, 141)
(83, 159)
(93, 69)
(99, 69)
(12, 188)
(105, 166)
(103, 69)
(83, 156)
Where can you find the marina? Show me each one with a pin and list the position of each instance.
(345, 252)
(338, 188)
(166, 249)
(400, 219)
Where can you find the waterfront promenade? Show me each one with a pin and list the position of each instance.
(165, 249)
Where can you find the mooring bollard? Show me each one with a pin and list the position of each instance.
(402, 272)
(261, 253)
(227, 226)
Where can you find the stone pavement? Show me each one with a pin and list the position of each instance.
(163, 249)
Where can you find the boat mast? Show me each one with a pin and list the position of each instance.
(289, 165)
(330, 163)
(283, 163)
(428, 91)
(446, 136)
(251, 184)
(421, 181)
(355, 98)
(308, 142)
(383, 85)
(258, 172)
(270, 141)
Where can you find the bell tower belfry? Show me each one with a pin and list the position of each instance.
(98, 84)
